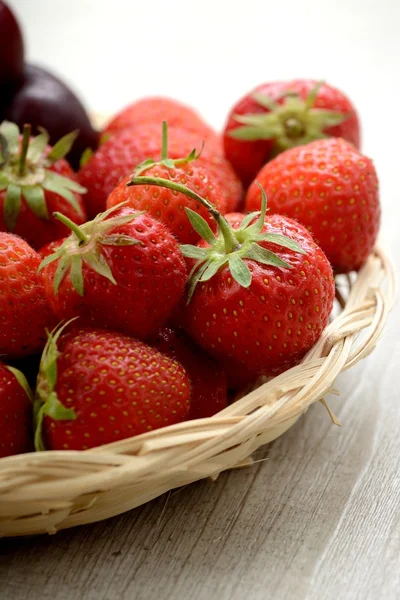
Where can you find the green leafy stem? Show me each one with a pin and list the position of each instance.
(165, 160)
(46, 399)
(230, 246)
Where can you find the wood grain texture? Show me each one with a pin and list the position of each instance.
(317, 517)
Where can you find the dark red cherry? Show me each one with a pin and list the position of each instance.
(44, 101)
(11, 48)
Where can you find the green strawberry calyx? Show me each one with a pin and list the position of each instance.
(165, 161)
(289, 121)
(84, 246)
(46, 402)
(229, 246)
(25, 172)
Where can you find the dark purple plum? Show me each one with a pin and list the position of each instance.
(11, 49)
(44, 101)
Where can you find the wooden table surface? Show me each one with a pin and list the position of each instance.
(317, 517)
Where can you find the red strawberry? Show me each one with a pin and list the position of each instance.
(259, 296)
(15, 412)
(122, 271)
(165, 205)
(36, 181)
(24, 313)
(280, 115)
(268, 326)
(235, 376)
(235, 219)
(208, 378)
(96, 387)
(330, 188)
(118, 156)
(50, 248)
(222, 172)
(156, 110)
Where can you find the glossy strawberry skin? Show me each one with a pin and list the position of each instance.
(50, 248)
(24, 313)
(38, 232)
(168, 206)
(150, 276)
(269, 326)
(247, 157)
(15, 415)
(118, 388)
(235, 218)
(332, 189)
(223, 173)
(207, 377)
(156, 110)
(118, 156)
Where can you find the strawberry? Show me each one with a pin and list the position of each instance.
(96, 387)
(119, 155)
(259, 296)
(156, 110)
(24, 313)
(35, 181)
(164, 204)
(15, 412)
(235, 219)
(208, 378)
(280, 115)
(330, 188)
(221, 170)
(50, 248)
(122, 271)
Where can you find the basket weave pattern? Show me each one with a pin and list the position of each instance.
(48, 491)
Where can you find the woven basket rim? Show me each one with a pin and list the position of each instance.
(47, 491)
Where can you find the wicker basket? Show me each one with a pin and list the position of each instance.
(48, 491)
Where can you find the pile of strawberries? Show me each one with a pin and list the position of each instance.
(143, 289)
